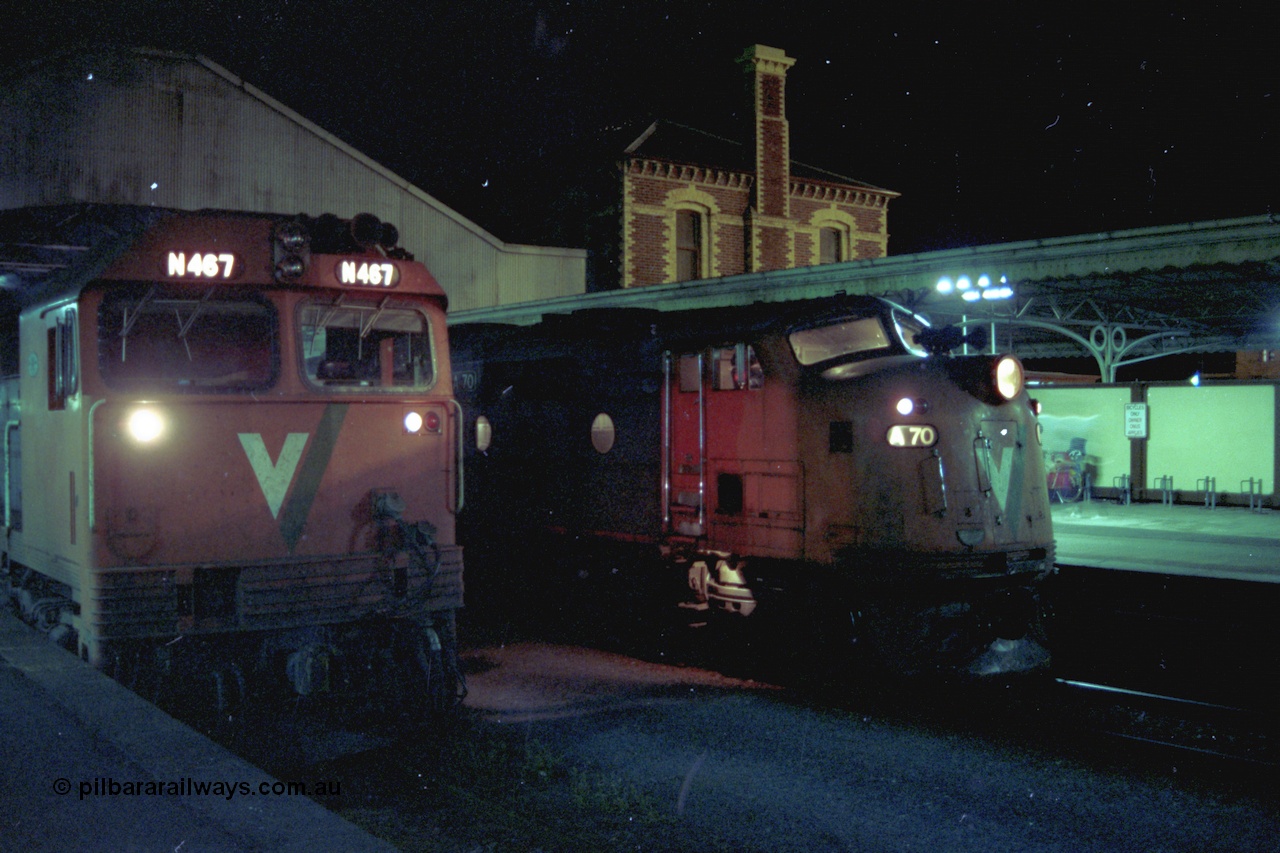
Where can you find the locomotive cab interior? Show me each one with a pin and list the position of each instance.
(365, 344)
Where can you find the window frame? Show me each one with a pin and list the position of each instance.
(357, 386)
(839, 239)
(63, 357)
(122, 383)
(697, 247)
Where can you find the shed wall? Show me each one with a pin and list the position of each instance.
(144, 127)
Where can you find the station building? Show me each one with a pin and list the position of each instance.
(695, 205)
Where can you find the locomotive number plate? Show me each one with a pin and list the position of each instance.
(367, 274)
(202, 265)
(912, 435)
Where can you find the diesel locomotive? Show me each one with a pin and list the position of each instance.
(825, 462)
(232, 452)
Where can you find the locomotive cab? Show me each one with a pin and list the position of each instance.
(237, 449)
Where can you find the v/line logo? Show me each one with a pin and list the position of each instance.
(274, 477)
(291, 482)
(1001, 475)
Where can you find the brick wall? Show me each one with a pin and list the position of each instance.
(754, 222)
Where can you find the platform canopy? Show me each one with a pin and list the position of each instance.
(1122, 296)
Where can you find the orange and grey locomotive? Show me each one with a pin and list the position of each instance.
(826, 461)
(232, 449)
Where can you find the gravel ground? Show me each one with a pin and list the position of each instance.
(741, 765)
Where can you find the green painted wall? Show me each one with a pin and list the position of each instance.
(1221, 431)
(1094, 413)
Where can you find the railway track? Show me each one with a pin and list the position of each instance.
(1177, 723)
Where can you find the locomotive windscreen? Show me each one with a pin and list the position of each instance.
(850, 337)
(173, 339)
(366, 344)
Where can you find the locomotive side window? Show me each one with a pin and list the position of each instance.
(847, 338)
(63, 359)
(361, 345)
(176, 339)
(736, 368)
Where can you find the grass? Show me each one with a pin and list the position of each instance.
(487, 788)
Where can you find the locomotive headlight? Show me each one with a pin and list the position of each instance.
(1008, 377)
(910, 405)
(417, 423)
(144, 425)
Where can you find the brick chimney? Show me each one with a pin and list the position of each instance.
(771, 243)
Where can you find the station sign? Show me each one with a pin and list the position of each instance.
(1135, 420)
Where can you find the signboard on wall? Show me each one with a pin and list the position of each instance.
(1135, 420)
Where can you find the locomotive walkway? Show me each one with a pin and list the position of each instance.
(87, 765)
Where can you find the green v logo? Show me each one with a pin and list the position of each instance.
(1001, 474)
(274, 477)
(302, 456)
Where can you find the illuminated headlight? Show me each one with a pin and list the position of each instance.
(417, 422)
(144, 425)
(911, 405)
(1008, 377)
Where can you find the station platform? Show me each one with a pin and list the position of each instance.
(87, 765)
(1184, 539)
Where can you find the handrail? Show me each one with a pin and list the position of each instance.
(92, 491)
(666, 439)
(461, 430)
(702, 447)
(9, 427)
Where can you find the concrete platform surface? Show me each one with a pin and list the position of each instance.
(1231, 543)
(87, 765)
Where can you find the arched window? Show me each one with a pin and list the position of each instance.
(830, 245)
(689, 255)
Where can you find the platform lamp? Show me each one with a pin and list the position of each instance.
(981, 291)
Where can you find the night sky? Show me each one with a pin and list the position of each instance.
(995, 121)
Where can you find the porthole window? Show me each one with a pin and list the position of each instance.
(602, 433)
(484, 434)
